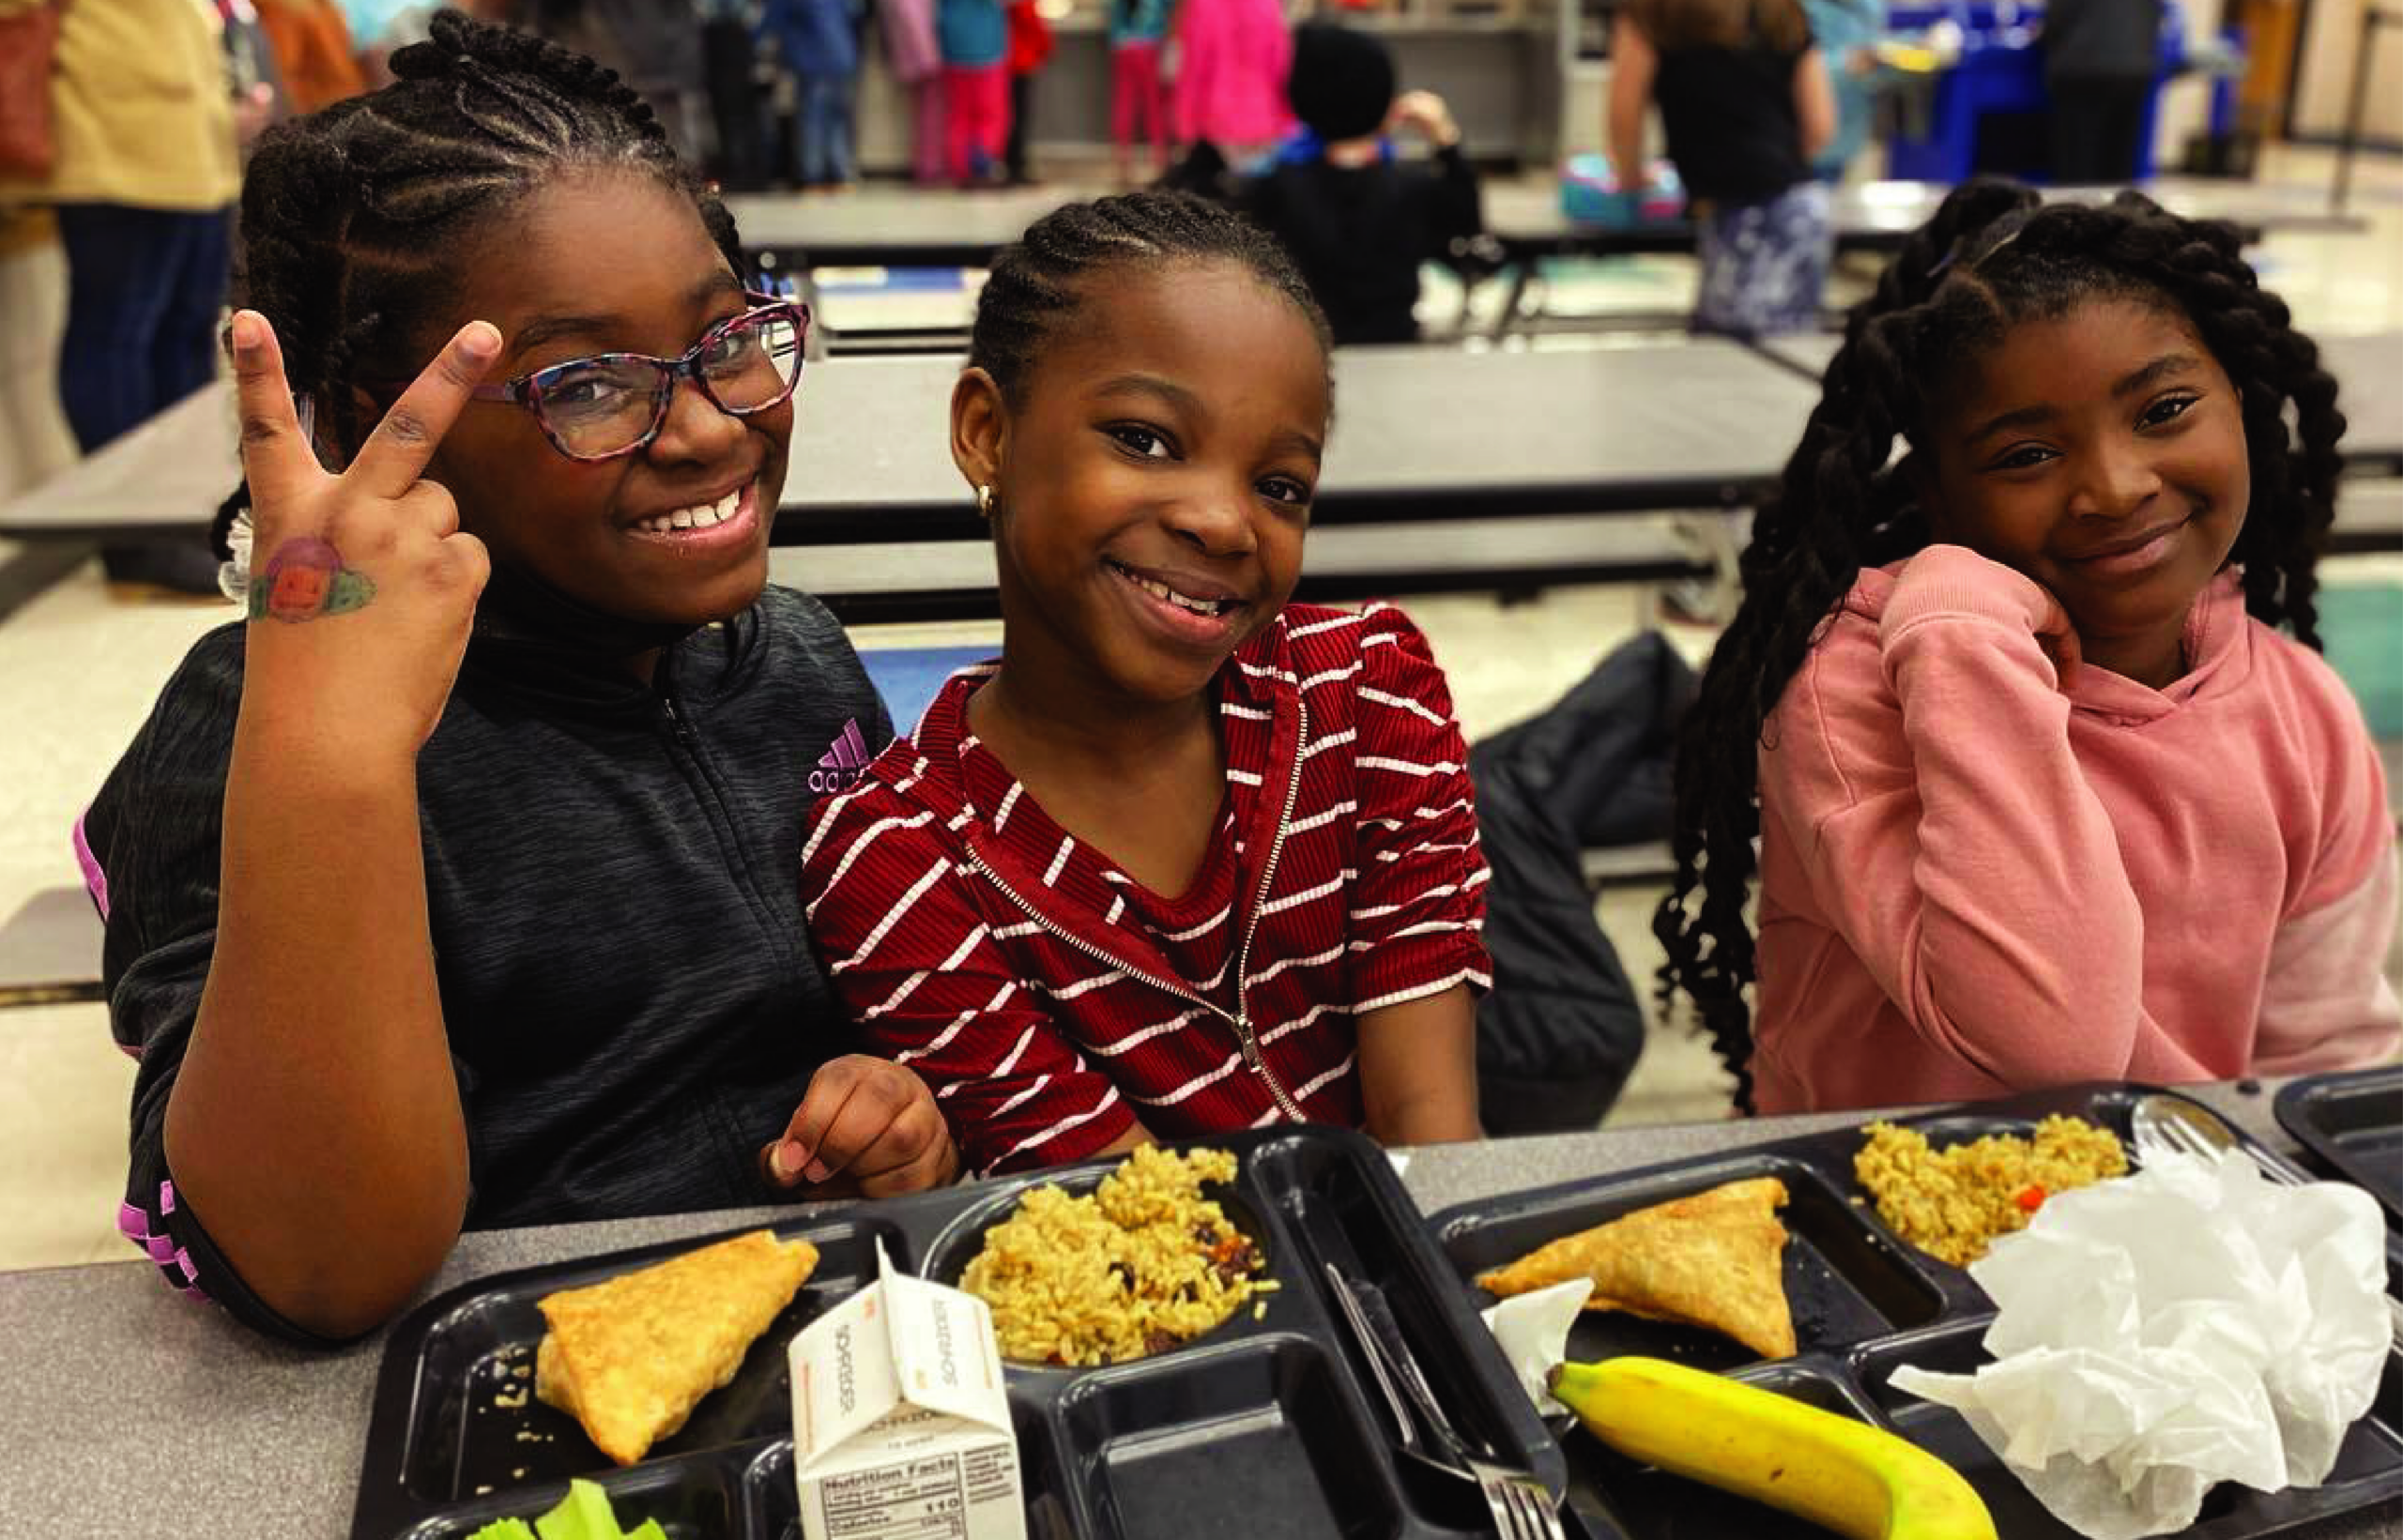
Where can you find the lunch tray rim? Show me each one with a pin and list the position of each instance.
(2292, 1106)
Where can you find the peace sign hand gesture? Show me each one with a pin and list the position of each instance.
(362, 585)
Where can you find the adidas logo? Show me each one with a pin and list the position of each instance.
(839, 766)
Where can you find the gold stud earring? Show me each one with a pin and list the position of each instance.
(984, 499)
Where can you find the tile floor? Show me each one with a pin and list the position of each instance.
(80, 666)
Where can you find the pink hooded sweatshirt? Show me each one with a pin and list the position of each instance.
(1973, 882)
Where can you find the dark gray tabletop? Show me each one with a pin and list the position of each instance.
(1421, 432)
(895, 228)
(127, 1410)
(1877, 216)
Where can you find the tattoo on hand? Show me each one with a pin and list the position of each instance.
(305, 579)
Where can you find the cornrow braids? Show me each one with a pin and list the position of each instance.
(355, 219)
(1992, 255)
(1037, 283)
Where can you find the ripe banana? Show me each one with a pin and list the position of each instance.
(1860, 1481)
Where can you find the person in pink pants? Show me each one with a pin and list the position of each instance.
(975, 39)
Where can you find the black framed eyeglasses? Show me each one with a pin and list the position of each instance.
(613, 404)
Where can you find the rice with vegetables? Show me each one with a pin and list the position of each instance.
(1951, 1203)
(1142, 1264)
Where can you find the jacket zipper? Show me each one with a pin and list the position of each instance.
(1241, 1019)
(680, 733)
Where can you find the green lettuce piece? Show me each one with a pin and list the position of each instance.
(505, 1529)
(648, 1530)
(585, 1516)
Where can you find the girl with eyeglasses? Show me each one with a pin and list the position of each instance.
(454, 889)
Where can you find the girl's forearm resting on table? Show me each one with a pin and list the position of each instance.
(1631, 69)
(1419, 1069)
(315, 1125)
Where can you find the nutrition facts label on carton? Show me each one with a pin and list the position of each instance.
(923, 1499)
(901, 1421)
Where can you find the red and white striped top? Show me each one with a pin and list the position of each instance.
(1040, 990)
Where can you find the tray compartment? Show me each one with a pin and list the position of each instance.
(695, 1498)
(2368, 1470)
(2354, 1122)
(948, 1256)
(1253, 1439)
(474, 1420)
(1340, 1203)
(1846, 1279)
(1611, 1496)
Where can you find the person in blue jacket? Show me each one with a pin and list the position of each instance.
(820, 43)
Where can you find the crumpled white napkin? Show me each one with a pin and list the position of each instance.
(2189, 1324)
(1533, 1329)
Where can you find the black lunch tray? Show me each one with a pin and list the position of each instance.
(1864, 1303)
(1261, 1428)
(2354, 1122)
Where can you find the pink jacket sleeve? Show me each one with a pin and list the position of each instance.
(1955, 843)
(2326, 1003)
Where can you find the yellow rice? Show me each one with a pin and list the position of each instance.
(1120, 1273)
(1951, 1203)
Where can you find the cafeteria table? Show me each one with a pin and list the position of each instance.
(127, 1410)
(1422, 434)
(895, 227)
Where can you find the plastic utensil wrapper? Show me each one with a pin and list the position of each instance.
(2162, 1333)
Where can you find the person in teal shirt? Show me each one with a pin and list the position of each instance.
(1137, 95)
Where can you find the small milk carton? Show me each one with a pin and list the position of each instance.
(901, 1426)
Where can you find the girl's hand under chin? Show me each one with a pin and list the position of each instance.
(362, 587)
(2057, 634)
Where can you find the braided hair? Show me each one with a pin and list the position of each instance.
(1036, 286)
(355, 219)
(1992, 255)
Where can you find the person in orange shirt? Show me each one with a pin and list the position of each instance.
(313, 52)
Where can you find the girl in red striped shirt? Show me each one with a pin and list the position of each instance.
(1186, 859)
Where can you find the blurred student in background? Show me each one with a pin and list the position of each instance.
(1846, 33)
(1745, 105)
(313, 53)
(818, 41)
(1030, 50)
(974, 35)
(1137, 93)
(1231, 58)
(916, 58)
(2101, 60)
(1358, 222)
(143, 182)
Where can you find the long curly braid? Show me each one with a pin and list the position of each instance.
(1994, 256)
(355, 219)
(1036, 284)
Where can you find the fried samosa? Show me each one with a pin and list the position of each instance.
(631, 1358)
(1713, 1260)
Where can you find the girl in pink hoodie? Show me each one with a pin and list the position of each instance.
(2049, 781)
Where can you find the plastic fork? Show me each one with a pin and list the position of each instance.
(1523, 1509)
(2167, 1123)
